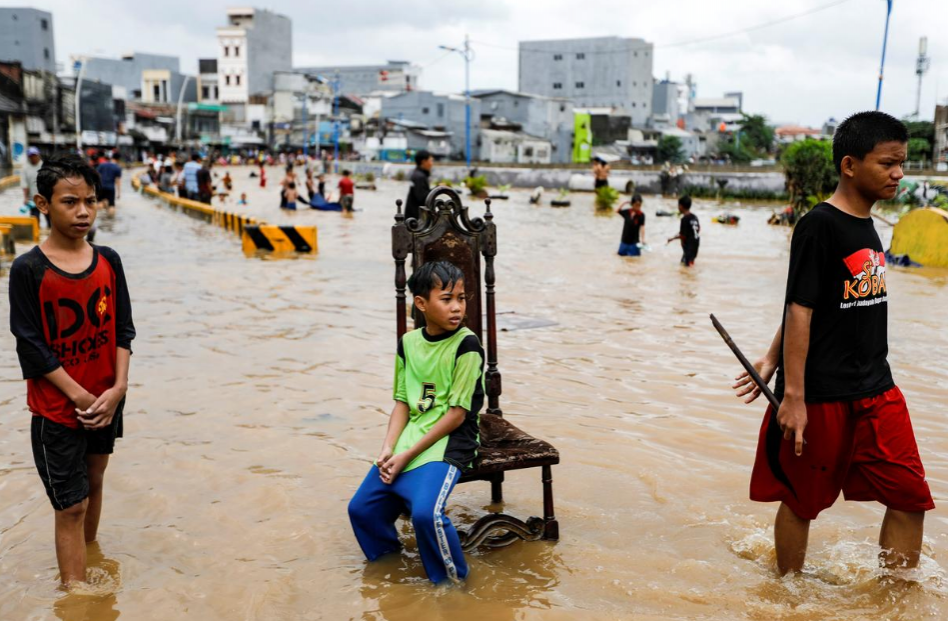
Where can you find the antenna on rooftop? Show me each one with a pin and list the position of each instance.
(921, 68)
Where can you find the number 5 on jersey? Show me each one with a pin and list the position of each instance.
(427, 400)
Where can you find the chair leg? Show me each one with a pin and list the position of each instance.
(497, 489)
(551, 528)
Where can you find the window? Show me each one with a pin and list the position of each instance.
(46, 53)
(618, 82)
(562, 108)
(226, 51)
(635, 84)
(633, 104)
(516, 103)
(557, 85)
(156, 92)
(44, 24)
(636, 54)
(237, 51)
(440, 109)
(205, 92)
(528, 151)
(557, 57)
(237, 79)
(580, 85)
(216, 93)
(424, 110)
(580, 56)
(644, 104)
(227, 80)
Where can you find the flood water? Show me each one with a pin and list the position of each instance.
(260, 391)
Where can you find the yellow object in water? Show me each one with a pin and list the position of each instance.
(922, 234)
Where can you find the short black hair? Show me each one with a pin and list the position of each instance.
(858, 135)
(636, 198)
(434, 274)
(195, 157)
(65, 165)
(685, 201)
(421, 156)
(116, 155)
(346, 173)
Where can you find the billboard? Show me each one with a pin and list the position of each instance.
(582, 137)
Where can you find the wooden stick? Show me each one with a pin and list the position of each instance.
(751, 371)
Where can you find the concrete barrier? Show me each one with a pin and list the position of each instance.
(7, 246)
(23, 228)
(226, 219)
(9, 182)
(922, 234)
(280, 239)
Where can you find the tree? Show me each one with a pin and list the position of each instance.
(811, 175)
(756, 135)
(669, 150)
(736, 153)
(919, 149)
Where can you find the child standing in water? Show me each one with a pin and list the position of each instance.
(291, 194)
(633, 227)
(689, 232)
(72, 319)
(829, 354)
(433, 430)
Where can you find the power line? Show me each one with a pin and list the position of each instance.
(675, 44)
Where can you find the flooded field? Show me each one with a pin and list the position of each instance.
(260, 391)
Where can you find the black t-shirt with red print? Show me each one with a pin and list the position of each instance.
(74, 321)
(837, 268)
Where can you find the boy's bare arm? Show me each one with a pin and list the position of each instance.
(71, 388)
(396, 424)
(451, 420)
(792, 414)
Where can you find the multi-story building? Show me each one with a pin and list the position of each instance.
(253, 45)
(442, 113)
(601, 72)
(665, 107)
(164, 86)
(707, 114)
(361, 80)
(940, 154)
(125, 71)
(549, 118)
(26, 36)
(208, 89)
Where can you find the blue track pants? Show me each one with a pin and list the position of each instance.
(423, 493)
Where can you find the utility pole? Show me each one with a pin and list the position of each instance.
(82, 70)
(468, 55)
(178, 132)
(885, 40)
(305, 125)
(921, 67)
(335, 124)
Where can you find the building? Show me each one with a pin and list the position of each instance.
(940, 154)
(253, 45)
(13, 111)
(501, 146)
(26, 36)
(208, 89)
(548, 118)
(436, 112)
(298, 104)
(600, 72)
(665, 107)
(786, 134)
(126, 71)
(164, 86)
(362, 80)
(707, 114)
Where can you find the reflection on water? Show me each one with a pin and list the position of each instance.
(260, 391)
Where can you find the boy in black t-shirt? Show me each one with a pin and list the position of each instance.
(689, 232)
(633, 229)
(830, 359)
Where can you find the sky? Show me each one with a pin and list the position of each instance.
(801, 70)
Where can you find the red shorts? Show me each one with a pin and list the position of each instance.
(864, 448)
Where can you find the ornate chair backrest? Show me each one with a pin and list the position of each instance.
(444, 232)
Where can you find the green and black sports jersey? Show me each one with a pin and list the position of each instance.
(432, 375)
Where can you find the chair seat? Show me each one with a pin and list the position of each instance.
(505, 447)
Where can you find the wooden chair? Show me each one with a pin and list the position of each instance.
(444, 232)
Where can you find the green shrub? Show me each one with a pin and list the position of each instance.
(445, 182)
(606, 197)
(476, 185)
(810, 173)
(399, 175)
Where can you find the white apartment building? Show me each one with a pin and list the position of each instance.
(254, 44)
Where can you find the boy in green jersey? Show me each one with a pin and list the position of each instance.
(433, 430)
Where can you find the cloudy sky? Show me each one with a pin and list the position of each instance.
(804, 70)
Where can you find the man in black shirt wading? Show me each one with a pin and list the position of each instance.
(830, 359)
(689, 232)
(418, 192)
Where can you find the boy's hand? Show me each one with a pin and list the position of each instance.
(394, 466)
(792, 419)
(384, 456)
(745, 385)
(99, 414)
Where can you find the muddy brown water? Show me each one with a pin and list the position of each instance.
(260, 391)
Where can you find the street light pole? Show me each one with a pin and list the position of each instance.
(305, 124)
(885, 40)
(468, 55)
(82, 71)
(178, 132)
(335, 124)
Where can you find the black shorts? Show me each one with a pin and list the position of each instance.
(60, 456)
(689, 255)
(601, 183)
(108, 194)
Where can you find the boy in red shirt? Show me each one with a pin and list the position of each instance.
(829, 355)
(346, 191)
(72, 319)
